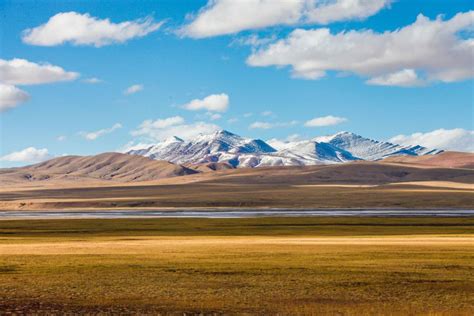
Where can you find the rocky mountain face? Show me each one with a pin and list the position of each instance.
(239, 152)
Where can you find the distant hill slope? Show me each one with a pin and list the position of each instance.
(449, 159)
(361, 172)
(108, 166)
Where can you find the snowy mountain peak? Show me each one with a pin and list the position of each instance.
(224, 146)
(173, 139)
(370, 149)
(226, 133)
(217, 135)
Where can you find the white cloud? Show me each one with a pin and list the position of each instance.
(23, 72)
(247, 114)
(30, 154)
(96, 134)
(232, 120)
(61, 138)
(220, 17)
(325, 121)
(423, 52)
(402, 78)
(269, 125)
(267, 113)
(213, 103)
(325, 12)
(11, 96)
(133, 89)
(83, 29)
(92, 80)
(161, 129)
(457, 139)
(162, 123)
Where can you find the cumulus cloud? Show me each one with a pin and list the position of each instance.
(23, 72)
(402, 78)
(325, 121)
(269, 125)
(96, 134)
(11, 96)
(162, 123)
(220, 17)
(162, 129)
(325, 12)
(83, 29)
(212, 103)
(457, 139)
(30, 154)
(133, 89)
(423, 52)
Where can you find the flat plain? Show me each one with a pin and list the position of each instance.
(286, 266)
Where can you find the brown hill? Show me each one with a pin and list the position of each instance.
(104, 167)
(211, 166)
(366, 173)
(352, 185)
(448, 159)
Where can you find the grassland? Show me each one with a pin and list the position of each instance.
(289, 266)
(240, 195)
(352, 185)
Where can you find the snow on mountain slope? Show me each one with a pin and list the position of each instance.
(220, 146)
(310, 151)
(369, 149)
(226, 147)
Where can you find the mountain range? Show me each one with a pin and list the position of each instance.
(224, 147)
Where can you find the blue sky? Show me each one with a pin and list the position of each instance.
(175, 64)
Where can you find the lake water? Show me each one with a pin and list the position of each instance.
(231, 213)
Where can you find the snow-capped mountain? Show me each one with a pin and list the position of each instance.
(224, 146)
(309, 151)
(369, 149)
(220, 146)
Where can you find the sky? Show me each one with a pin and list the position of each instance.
(85, 77)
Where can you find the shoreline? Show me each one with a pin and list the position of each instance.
(232, 213)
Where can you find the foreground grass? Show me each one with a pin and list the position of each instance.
(258, 266)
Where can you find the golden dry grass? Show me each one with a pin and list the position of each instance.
(262, 266)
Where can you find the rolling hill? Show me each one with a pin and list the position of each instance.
(104, 167)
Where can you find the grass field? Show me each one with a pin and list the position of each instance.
(238, 195)
(287, 266)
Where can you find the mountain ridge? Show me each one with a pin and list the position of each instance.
(226, 147)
